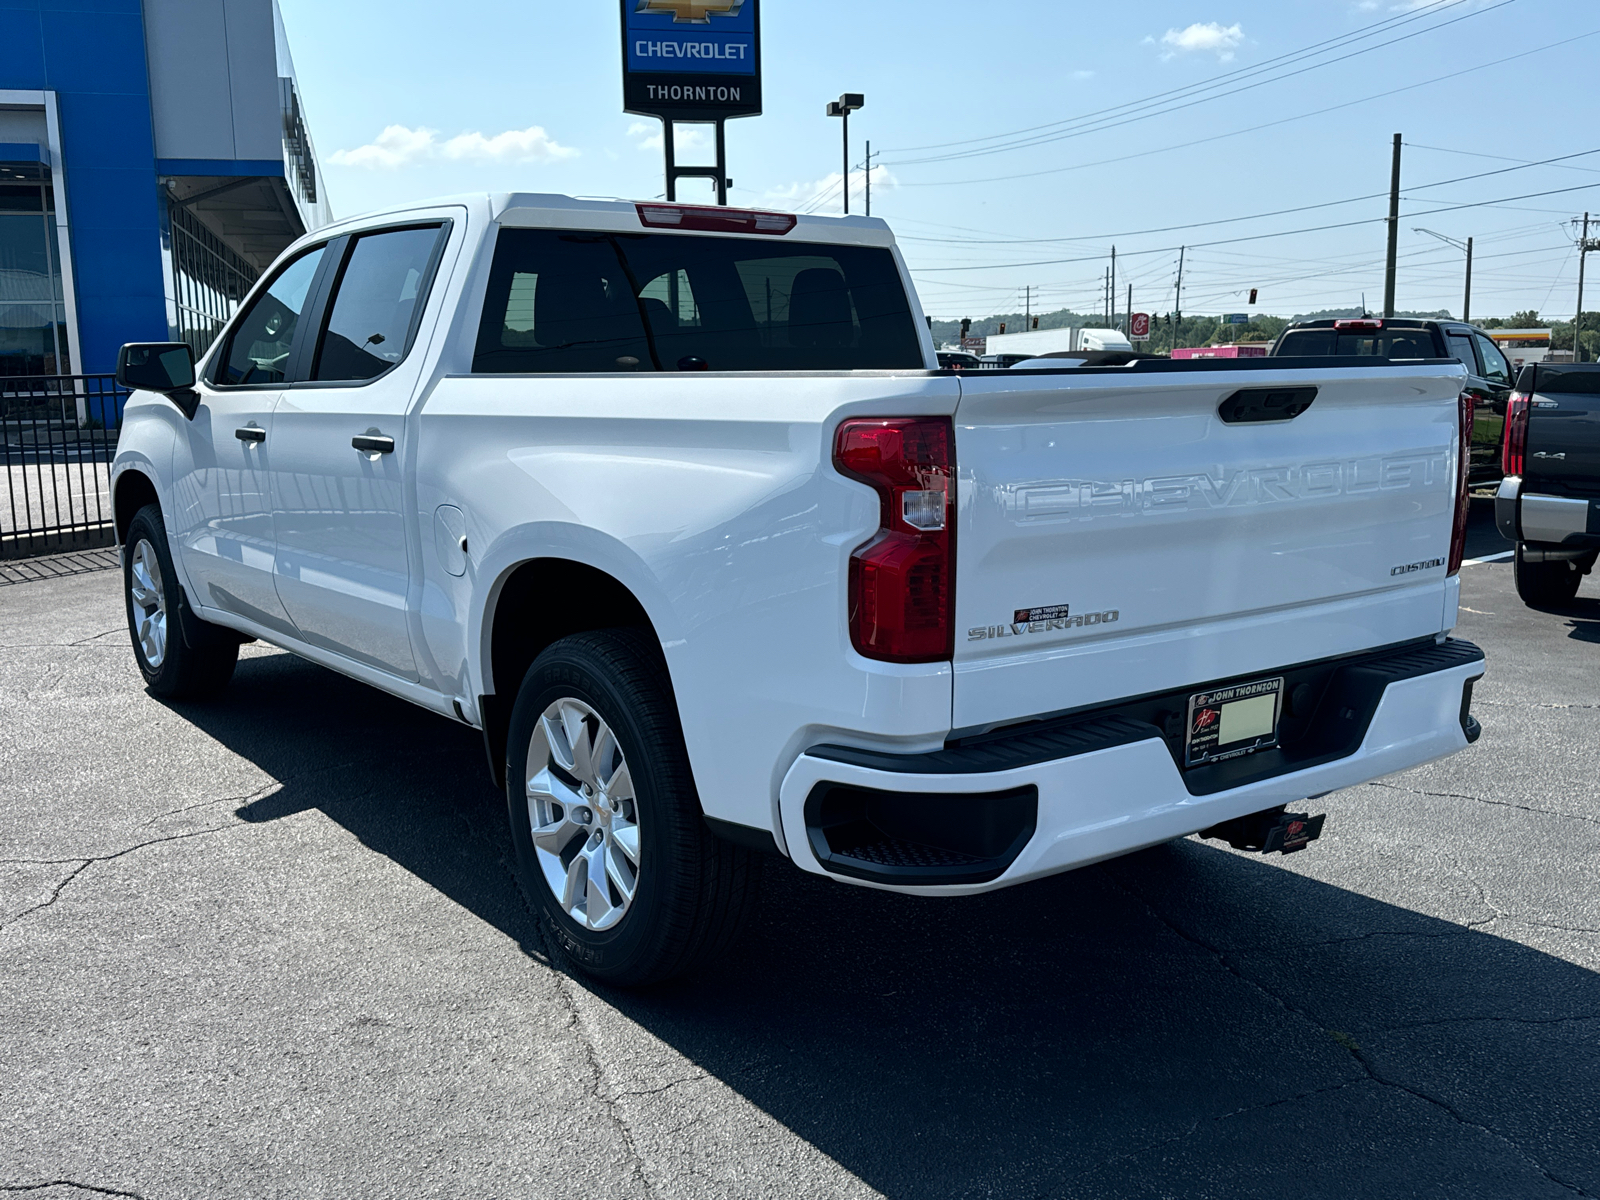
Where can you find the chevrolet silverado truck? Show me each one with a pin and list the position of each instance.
(674, 505)
(1549, 501)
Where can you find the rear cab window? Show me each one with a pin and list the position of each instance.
(574, 301)
(1361, 343)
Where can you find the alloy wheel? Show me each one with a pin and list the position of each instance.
(148, 592)
(583, 814)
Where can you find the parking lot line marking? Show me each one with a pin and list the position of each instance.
(1490, 558)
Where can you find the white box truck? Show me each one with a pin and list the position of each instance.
(1051, 341)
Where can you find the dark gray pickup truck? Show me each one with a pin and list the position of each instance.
(1549, 499)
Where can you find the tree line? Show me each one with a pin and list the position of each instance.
(1209, 331)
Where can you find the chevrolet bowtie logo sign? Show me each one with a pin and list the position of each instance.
(692, 12)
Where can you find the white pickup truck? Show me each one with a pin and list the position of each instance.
(673, 504)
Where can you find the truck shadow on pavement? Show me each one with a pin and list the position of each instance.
(1185, 1021)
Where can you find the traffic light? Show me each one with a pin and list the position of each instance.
(1252, 295)
(966, 325)
(1002, 326)
(1036, 322)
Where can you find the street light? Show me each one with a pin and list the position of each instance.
(843, 107)
(1466, 303)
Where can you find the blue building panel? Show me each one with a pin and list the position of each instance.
(91, 6)
(22, 152)
(23, 39)
(95, 52)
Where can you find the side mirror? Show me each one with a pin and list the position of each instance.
(166, 367)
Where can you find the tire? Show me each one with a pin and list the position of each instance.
(1547, 584)
(671, 896)
(180, 656)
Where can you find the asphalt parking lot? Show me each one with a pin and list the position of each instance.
(270, 947)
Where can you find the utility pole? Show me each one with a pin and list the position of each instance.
(1177, 300)
(1577, 318)
(1127, 316)
(1027, 307)
(869, 177)
(1111, 292)
(1394, 231)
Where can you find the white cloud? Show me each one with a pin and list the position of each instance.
(825, 193)
(647, 135)
(1211, 36)
(397, 146)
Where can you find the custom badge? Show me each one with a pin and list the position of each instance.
(691, 12)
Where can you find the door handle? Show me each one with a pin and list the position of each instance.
(369, 443)
(251, 433)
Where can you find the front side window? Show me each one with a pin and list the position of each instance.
(560, 301)
(370, 321)
(262, 339)
(1495, 367)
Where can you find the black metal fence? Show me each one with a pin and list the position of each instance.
(59, 434)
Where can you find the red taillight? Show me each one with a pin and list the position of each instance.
(1515, 447)
(1359, 323)
(902, 580)
(714, 220)
(1458, 533)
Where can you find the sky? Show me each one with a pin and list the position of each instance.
(1057, 131)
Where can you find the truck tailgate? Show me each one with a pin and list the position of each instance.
(1116, 537)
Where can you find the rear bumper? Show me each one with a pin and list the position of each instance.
(1114, 789)
(1552, 522)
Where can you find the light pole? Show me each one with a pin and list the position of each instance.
(843, 107)
(1466, 246)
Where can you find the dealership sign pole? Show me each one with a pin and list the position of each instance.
(695, 61)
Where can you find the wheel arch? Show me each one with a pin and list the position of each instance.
(533, 606)
(132, 490)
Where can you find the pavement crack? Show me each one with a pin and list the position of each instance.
(609, 1103)
(1546, 812)
(95, 637)
(665, 1087)
(247, 798)
(1360, 1056)
(80, 865)
(68, 1183)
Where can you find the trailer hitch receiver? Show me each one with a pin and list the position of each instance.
(1270, 831)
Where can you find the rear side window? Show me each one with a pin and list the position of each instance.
(1581, 380)
(1361, 343)
(1461, 347)
(375, 303)
(262, 338)
(1495, 367)
(585, 302)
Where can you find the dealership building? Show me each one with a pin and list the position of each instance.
(154, 159)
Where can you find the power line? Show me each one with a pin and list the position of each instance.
(1215, 81)
(1281, 233)
(1092, 125)
(1252, 217)
(1496, 63)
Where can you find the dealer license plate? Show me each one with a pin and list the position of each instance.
(1231, 721)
